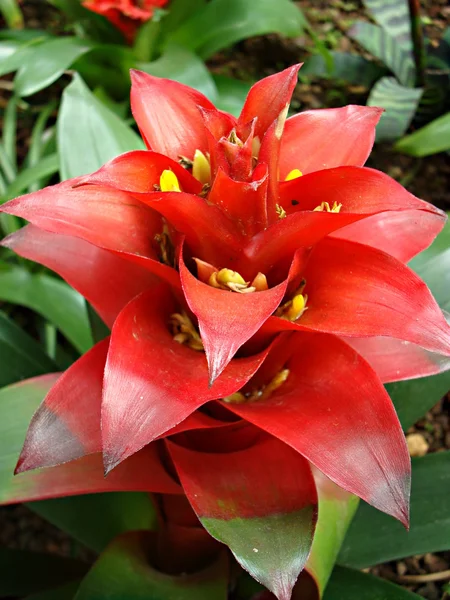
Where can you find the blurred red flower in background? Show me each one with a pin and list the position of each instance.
(126, 15)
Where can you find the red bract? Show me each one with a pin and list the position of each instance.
(253, 273)
(126, 15)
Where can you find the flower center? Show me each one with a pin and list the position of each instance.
(184, 332)
(294, 308)
(260, 394)
(226, 279)
(325, 207)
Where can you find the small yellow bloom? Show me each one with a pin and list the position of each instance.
(294, 174)
(201, 168)
(168, 182)
(325, 207)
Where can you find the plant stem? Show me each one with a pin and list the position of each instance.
(418, 41)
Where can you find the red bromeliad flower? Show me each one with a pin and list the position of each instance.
(283, 305)
(126, 15)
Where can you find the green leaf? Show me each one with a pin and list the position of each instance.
(393, 16)
(222, 23)
(9, 130)
(89, 133)
(336, 510)
(20, 355)
(373, 537)
(50, 297)
(378, 42)
(352, 585)
(431, 139)
(23, 572)
(180, 64)
(66, 592)
(180, 11)
(124, 571)
(24, 50)
(231, 94)
(400, 104)
(46, 167)
(95, 519)
(47, 63)
(12, 14)
(414, 398)
(349, 67)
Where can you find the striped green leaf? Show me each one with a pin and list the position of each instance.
(400, 104)
(386, 48)
(393, 17)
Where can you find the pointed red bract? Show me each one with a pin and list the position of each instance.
(152, 382)
(321, 139)
(268, 98)
(349, 431)
(227, 319)
(260, 501)
(103, 278)
(66, 426)
(168, 116)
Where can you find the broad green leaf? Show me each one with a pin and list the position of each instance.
(93, 25)
(50, 297)
(123, 571)
(180, 11)
(10, 129)
(66, 592)
(414, 398)
(20, 56)
(373, 537)
(222, 23)
(431, 139)
(352, 585)
(24, 572)
(95, 519)
(89, 133)
(47, 166)
(47, 63)
(231, 94)
(400, 104)
(348, 67)
(393, 16)
(20, 355)
(378, 42)
(181, 64)
(7, 49)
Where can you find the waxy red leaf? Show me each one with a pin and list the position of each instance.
(101, 215)
(359, 189)
(168, 115)
(334, 410)
(355, 290)
(396, 360)
(321, 139)
(261, 502)
(107, 281)
(402, 234)
(152, 382)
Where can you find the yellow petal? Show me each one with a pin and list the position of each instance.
(168, 182)
(294, 174)
(201, 169)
